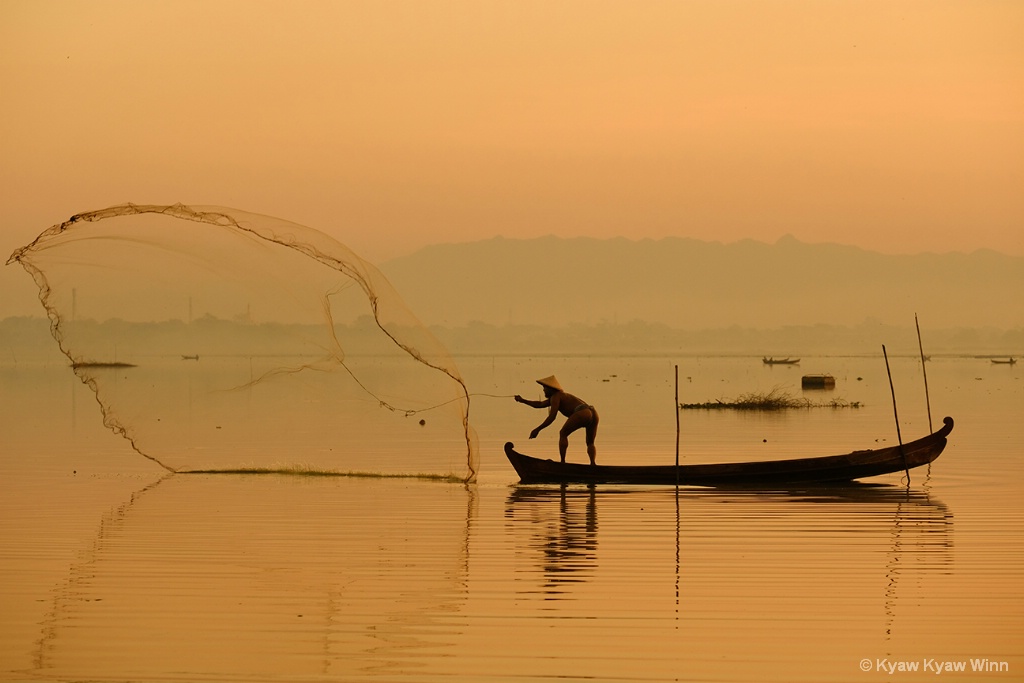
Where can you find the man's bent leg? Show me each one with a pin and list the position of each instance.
(574, 422)
(592, 437)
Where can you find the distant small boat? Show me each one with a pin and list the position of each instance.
(779, 361)
(1000, 361)
(195, 357)
(818, 382)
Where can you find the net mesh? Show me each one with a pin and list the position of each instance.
(220, 340)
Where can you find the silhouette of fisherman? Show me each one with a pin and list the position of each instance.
(579, 414)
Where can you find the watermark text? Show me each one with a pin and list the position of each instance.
(933, 665)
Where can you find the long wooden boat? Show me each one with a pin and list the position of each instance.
(779, 361)
(830, 468)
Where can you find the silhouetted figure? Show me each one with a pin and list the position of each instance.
(580, 415)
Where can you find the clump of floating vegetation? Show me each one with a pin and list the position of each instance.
(309, 471)
(776, 399)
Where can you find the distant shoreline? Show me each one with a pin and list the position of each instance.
(30, 336)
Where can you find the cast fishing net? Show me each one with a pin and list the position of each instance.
(219, 340)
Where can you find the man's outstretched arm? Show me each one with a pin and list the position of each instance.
(533, 404)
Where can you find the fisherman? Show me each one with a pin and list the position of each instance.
(580, 415)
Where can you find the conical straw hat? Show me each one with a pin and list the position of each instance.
(550, 382)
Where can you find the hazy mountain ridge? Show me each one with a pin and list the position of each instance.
(691, 284)
(676, 295)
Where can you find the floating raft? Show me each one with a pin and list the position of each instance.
(818, 382)
(101, 364)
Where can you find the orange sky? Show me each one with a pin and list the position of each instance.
(895, 126)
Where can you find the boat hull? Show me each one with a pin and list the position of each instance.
(831, 468)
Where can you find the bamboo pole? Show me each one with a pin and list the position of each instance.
(896, 415)
(927, 400)
(677, 426)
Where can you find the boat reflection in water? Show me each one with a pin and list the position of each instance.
(742, 557)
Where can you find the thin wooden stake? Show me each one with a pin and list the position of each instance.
(677, 426)
(896, 414)
(927, 400)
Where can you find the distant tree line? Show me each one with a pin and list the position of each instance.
(23, 337)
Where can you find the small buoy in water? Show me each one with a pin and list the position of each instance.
(764, 440)
(422, 422)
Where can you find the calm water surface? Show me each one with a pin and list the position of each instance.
(112, 570)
